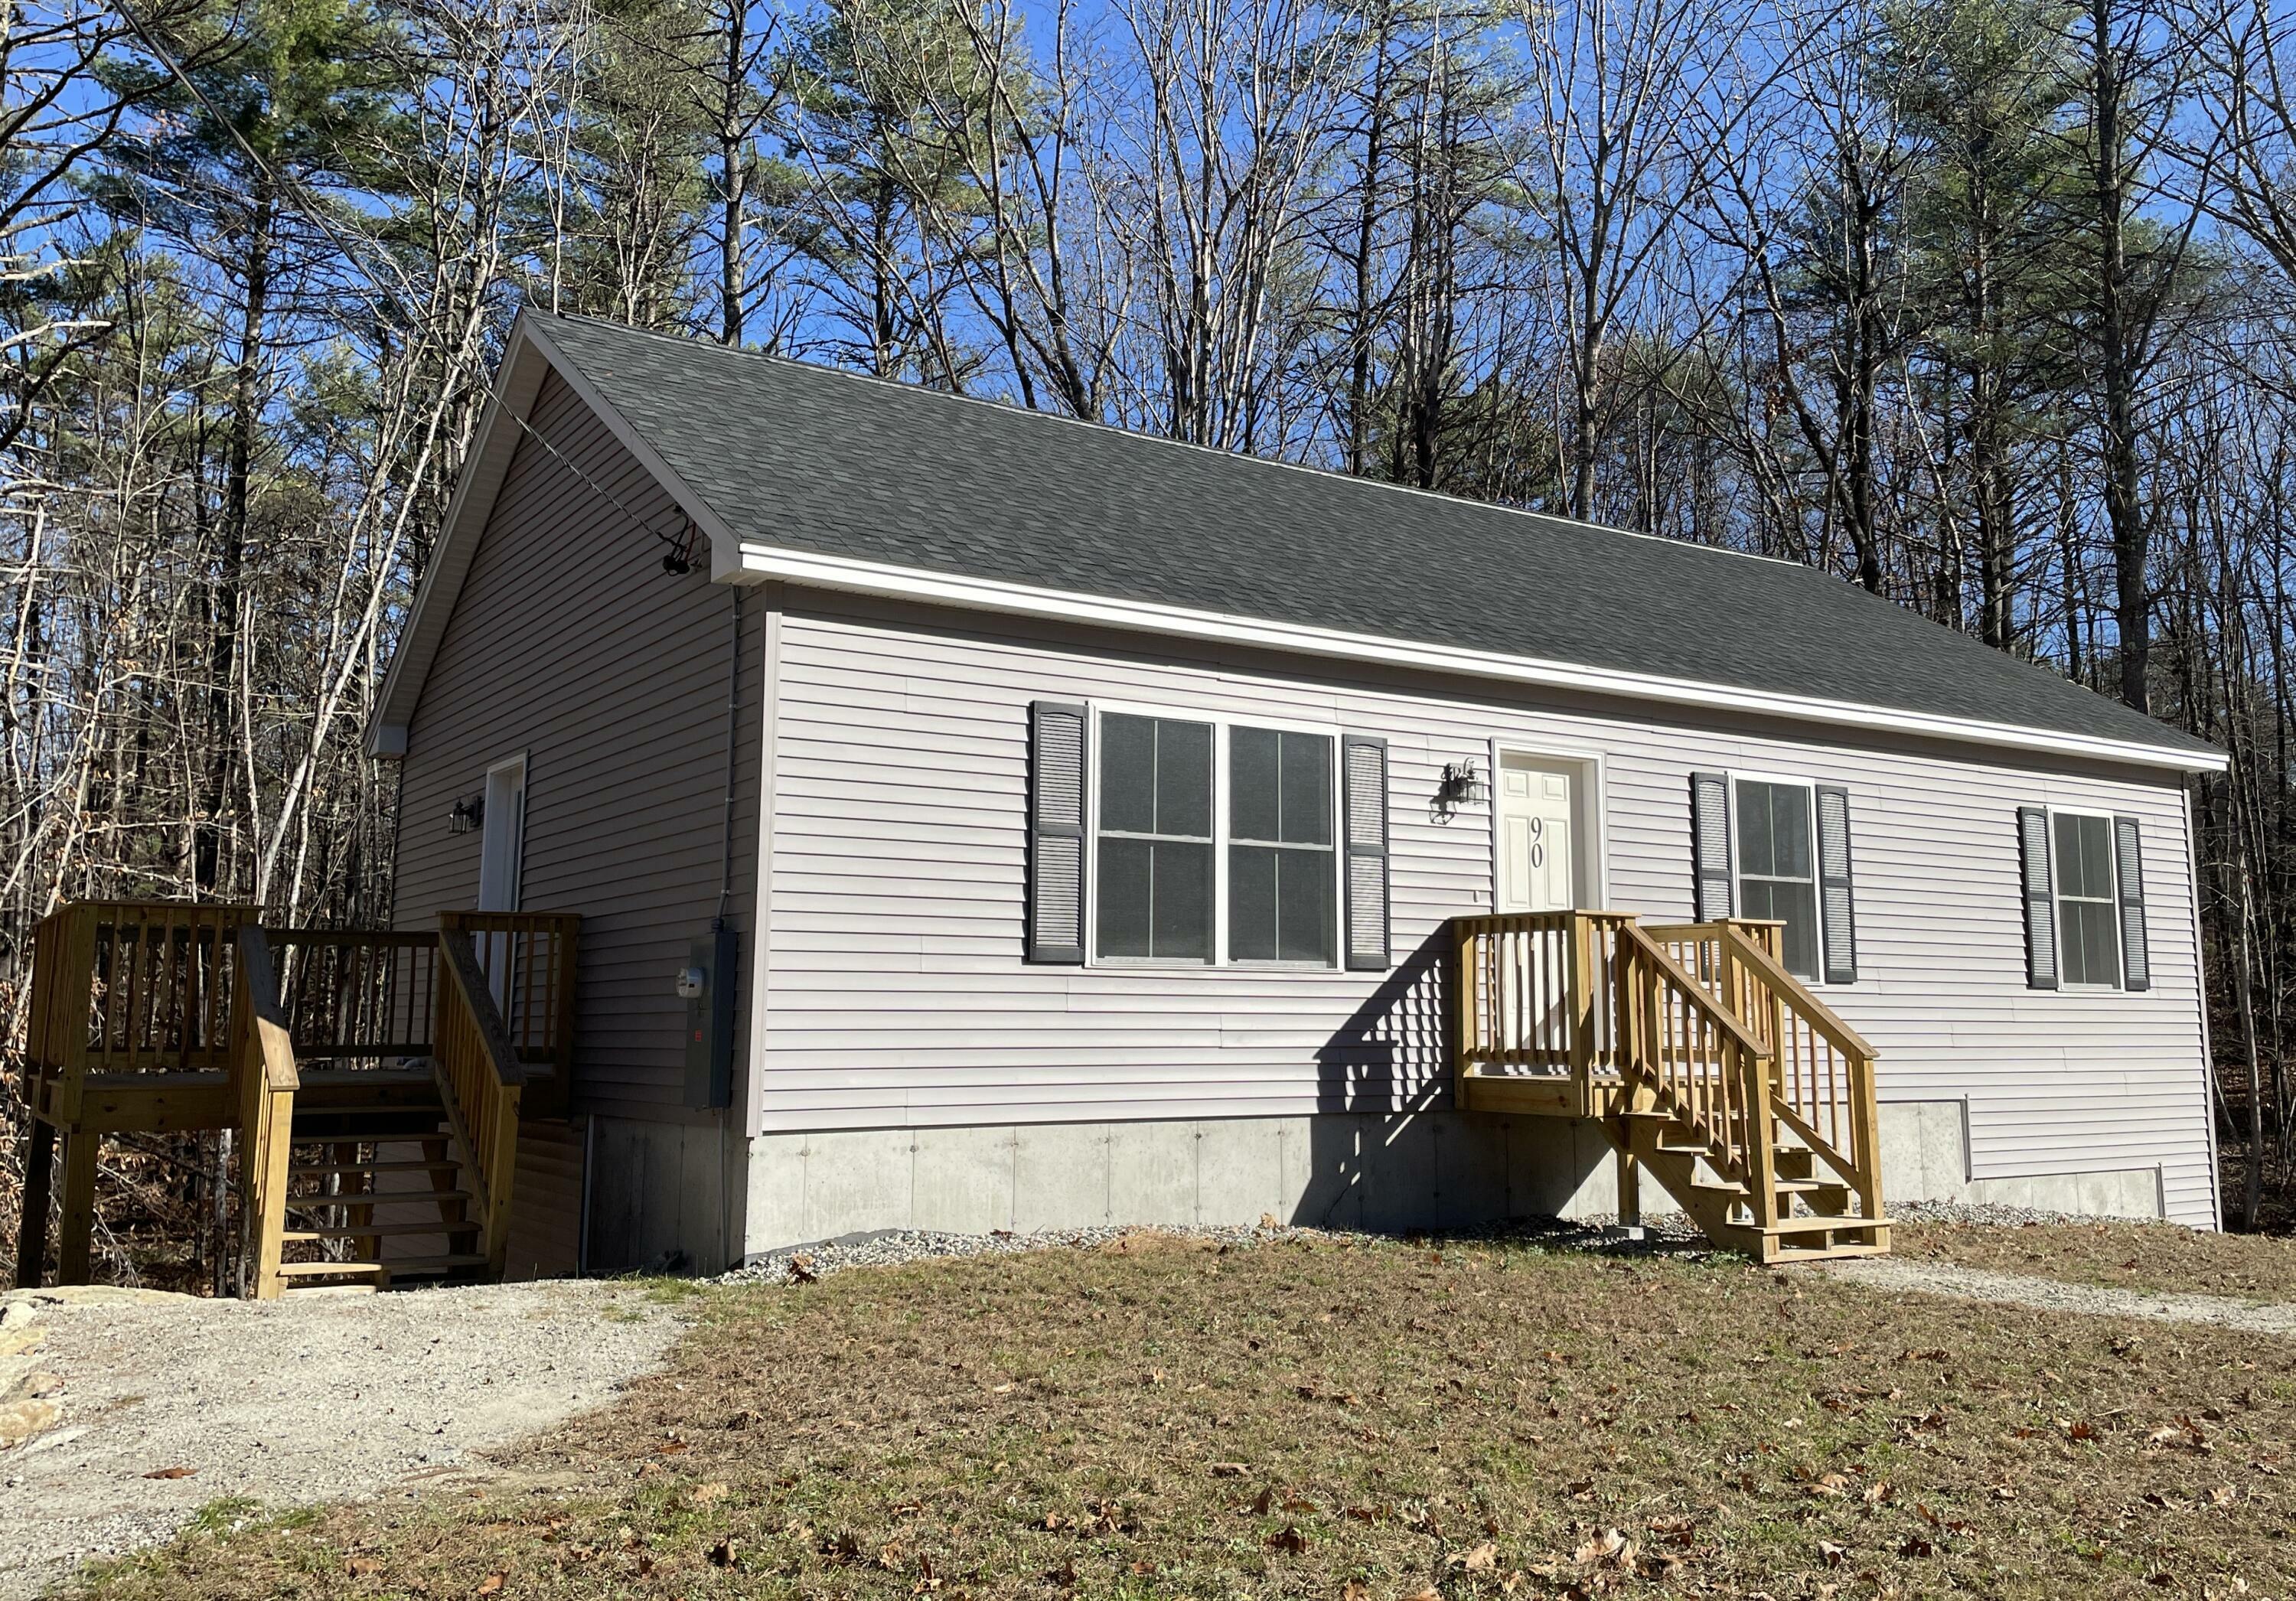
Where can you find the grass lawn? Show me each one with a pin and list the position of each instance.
(1338, 1420)
(2156, 1258)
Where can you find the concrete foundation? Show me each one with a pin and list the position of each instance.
(1342, 1170)
(1925, 1157)
(664, 1195)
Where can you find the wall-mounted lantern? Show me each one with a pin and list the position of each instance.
(1461, 785)
(469, 811)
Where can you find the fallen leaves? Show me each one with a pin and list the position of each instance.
(1606, 1548)
(2183, 1435)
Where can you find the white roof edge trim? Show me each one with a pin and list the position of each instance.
(994, 594)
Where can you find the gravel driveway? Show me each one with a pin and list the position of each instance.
(2058, 1296)
(309, 1399)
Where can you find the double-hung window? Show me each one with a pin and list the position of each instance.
(1777, 866)
(1214, 843)
(1156, 856)
(2088, 900)
(1282, 883)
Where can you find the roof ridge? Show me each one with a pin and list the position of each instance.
(684, 341)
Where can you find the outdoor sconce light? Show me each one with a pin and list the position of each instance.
(469, 812)
(1461, 785)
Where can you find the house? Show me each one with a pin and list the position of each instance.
(981, 819)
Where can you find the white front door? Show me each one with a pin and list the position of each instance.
(502, 844)
(502, 853)
(1536, 857)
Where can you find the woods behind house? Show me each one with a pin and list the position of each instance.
(1985, 304)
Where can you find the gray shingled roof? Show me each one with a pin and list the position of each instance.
(809, 459)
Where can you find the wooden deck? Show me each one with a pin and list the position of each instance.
(374, 1079)
(1702, 1059)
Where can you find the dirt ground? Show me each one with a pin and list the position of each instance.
(177, 1411)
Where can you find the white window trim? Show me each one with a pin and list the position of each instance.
(1732, 777)
(2058, 898)
(1220, 722)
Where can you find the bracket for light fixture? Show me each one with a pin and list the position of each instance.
(469, 812)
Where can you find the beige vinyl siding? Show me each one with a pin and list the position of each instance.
(897, 996)
(568, 642)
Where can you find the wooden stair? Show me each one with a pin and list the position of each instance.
(374, 1079)
(376, 1162)
(1705, 1062)
(1810, 1220)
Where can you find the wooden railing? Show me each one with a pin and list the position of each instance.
(174, 1015)
(529, 958)
(1537, 993)
(1823, 1073)
(1690, 1056)
(357, 993)
(480, 1080)
(264, 1079)
(128, 987)
(1700, 1021)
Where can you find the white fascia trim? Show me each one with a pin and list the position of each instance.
(994, 594)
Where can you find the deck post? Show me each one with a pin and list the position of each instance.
(1463, 982)
(76, 1241)
(1580, 1007)
(1630, 1181)
(32, 1226)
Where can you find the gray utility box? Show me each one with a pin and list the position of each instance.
(707, 986)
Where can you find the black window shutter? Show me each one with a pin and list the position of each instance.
(2128, 855)
(1362, 776)
(1056, 857)
(1837, 902)
(1709, 844)
(2040, 909)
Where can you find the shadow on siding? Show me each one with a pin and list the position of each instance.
(1388, 1152)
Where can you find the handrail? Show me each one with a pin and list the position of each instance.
(480, 1079)
(264, 1079)
(1712, 1071)
(529, 960)
(1824, 1071)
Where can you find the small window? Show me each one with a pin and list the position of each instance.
(1282, 883)
(1154, 866)
(2088, 907)
(1777, 873)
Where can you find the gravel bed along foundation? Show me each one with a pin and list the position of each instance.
(1671, 1233)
